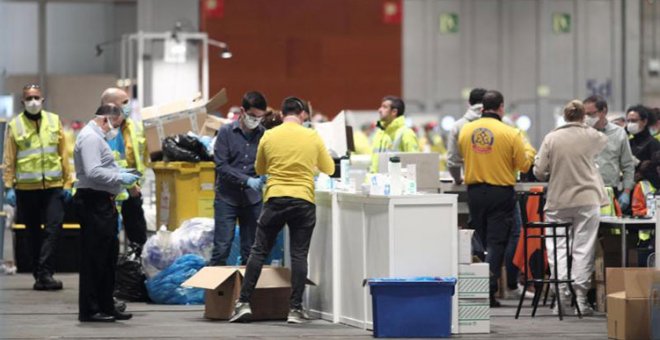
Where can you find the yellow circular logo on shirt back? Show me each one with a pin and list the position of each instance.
(482, 140)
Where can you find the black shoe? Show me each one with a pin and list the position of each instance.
(122, 316)
(98, 317)
(47, 283)
(120, 306)
(494, 303)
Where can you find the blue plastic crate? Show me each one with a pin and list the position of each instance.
(418, 307)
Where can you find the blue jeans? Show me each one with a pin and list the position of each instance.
(226, 216)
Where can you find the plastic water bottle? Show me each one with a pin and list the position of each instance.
(650, 205)
(394, 170)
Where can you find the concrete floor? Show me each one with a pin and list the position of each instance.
(28, 314)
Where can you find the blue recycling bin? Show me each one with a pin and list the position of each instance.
(418, 307)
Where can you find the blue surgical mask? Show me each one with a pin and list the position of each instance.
(126, 109)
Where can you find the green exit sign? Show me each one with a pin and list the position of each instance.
(561, 23)
(448, 23)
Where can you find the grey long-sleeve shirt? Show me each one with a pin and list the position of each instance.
(95, 165)
(616, 158)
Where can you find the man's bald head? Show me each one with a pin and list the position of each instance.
(115, 96)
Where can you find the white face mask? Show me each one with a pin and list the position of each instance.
(33, 106)
(591, 121)
(633, 128)
(251, 122)
(113, 132)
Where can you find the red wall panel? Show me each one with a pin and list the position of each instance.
(338, 54)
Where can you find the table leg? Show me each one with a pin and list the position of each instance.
(624, 251)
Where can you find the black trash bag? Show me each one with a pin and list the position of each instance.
(172, 152)
(193, 144)
(130, 278)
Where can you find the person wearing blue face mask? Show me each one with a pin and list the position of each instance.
(130, 151)
(100, 179)
(37, 175)
(238, 189)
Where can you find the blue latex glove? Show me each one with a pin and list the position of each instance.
(263, 178)
(10, 197)
(127, 178)
(624, 200)
(254, 183)
(66, 194)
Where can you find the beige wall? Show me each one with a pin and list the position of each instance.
(73, 97)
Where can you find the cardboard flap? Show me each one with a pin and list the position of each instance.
(639, 282)
(218, 100)
(275, 277)
(210, 277)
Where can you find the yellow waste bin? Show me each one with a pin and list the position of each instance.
(183, 191)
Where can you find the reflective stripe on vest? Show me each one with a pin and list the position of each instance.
(609, 209)
(37, 157)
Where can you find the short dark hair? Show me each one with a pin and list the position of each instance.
(600, 102)
(492, 100)
(644, 114)
(397, 104)
(254, 99)
(293, 106)
(108, 110)
(476, 96)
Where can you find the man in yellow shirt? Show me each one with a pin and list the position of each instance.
(392, 134)
(492, 153)
(289, 155)
(38, 181)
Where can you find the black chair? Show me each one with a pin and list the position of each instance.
(539, 281)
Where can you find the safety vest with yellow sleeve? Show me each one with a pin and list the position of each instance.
(134, 132)
(37, 156)
(639, 205)
(612, 208)
(396, 137)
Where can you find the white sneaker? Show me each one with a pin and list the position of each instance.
(242, 312)
(297, 316)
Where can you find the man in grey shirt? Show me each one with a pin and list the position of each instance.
(99, 180)
(616, 158)
(454, 157)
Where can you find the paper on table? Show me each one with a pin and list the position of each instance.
(333, 134)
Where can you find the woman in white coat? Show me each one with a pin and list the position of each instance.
(575, 194)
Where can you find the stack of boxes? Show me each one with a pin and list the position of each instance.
(473, 288)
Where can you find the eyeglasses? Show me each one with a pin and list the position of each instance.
(29, 98)
(31, 86)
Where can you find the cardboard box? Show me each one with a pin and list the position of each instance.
(473, 281)
(599, 263)
(636, 282)
(177, 117)
(270, 300)
(473, 316)
(628, 318)
(211, 125)
(601, 297)
(465, 246)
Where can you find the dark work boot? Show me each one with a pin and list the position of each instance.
(47, 282)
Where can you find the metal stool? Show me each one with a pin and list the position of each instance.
(539, 283)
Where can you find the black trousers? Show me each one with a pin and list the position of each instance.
(37, 207)
(300, 216)
(492, 218)
(99, 250)
(135, 226)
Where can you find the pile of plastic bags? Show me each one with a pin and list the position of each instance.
(170, 258)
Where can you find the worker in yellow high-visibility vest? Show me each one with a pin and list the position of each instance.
(38, 181)
(130, 152)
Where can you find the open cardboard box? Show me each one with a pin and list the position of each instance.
(177, 117)
(270, 299)
(628, 308)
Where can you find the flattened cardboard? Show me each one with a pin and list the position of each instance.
(627, 318)
(270, 299)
